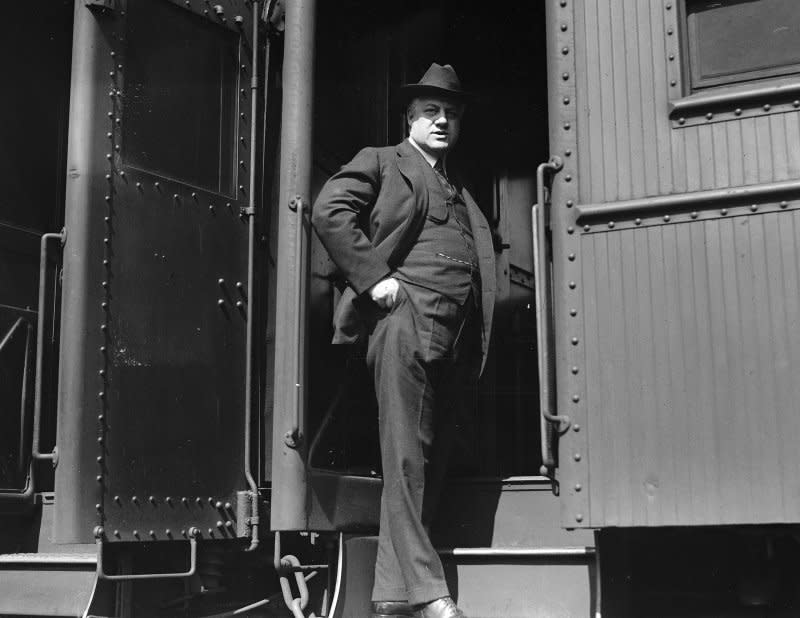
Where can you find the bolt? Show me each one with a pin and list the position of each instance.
(666, 217)
(694, 214)
(578, 486)
(724, 211)
(576, 428)
(576, 398)
(570, 203)
(239, 19)
(574, 370)
(573, 312)
(611, 224)
(767, 107)
(753, 208)
(681, 121)
(579, 517)
(784, 204)
(577, 456)
(571, 257)
(570, 229)
(574, 341)
(572, 285)
(738, 111)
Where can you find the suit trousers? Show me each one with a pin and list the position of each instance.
(424, 355)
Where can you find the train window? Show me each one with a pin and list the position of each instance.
(732, 41)
(180, 96)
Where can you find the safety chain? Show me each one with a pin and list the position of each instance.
(290, 564)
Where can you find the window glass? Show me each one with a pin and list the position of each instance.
(180, 96)
(737, 40)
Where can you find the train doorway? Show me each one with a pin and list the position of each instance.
(364, 52)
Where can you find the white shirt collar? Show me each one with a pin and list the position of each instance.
(428, 157)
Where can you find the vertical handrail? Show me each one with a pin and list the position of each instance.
(294, 436)
(37, 404)
(251, 245)
(544, 305)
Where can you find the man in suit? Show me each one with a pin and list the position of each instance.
(418, 259)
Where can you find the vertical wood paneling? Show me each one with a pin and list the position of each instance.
(625, 134)
(691, 342)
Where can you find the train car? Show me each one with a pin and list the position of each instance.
(180, 438)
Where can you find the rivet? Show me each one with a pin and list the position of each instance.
(576, 398)
(571, 285)
(211, 208)
(570, 229)
(98, 507)
(796, 103)
(118, 120)
(104, 284)
(242, 92)
(99, 459)
(563, 3)
(672, 57)
(220, 302)
(187, 2)
(176, 197)
(227, 506)
(568, 178)
(611, 224)
(577, 456)
(578, 486)
(199, 501)
(194, 196)
(152, 534)
(571, 257)
(767, 107)
(694, 214)
(101, 418)
(565, 76)
(738, 111)
(673, 83)
(681, 120)
(586, 228)
(574, 370)
(105, 262)
(211, 501)
(185, 501)
(239, 286)
(563, 27)
(152, 499)
(108, 156)
(723, 212)
(567, 153)
(638, 221)
(101, 394)
(709, 116)
(168, 500)
(784, 204)
(104, 305)
(669, 31)
(211, 532)
(135, 499)
(239, 19)
(122, 174)
(753, 207)
(117, 534)
(566, 100)
(110, 114)
(567, 126)
(239, 304)
(106, 241)
(565, 50)
(573, 312)
(576, 428)
(100, 440)
(109, 135)
(104, 327)
(570, 203)
(218, 9)
(136, 533)
(221, 281)
(157, 185)
(218, 504)
(574, 341)
(102, 372)
(579, 517)
(117, 500)
(229, 524)
(113, 54)
(242, 189)
(220, 524)
(139, 186)
(666, 217)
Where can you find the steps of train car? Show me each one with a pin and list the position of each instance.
(40, 578)
(489, 582)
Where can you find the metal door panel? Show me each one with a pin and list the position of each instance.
(151, 412)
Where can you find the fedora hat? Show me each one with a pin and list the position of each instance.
(438, 80)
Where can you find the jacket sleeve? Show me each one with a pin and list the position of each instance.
(335, 217)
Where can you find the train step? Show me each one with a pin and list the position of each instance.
(489, 582)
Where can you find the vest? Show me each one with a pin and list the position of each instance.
(444, 258)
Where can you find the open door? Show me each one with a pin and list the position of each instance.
(151, 423)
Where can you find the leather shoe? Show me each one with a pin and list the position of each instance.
(440, 608)
(391, 609)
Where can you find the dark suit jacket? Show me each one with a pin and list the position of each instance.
(368, 216)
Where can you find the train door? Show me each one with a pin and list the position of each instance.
(152, 420)
(674, 259)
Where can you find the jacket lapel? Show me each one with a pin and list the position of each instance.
(408, 162)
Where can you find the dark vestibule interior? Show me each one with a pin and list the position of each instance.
(365, 50)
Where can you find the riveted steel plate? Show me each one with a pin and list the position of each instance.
(164, 381)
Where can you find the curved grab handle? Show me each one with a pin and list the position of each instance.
(544, 333)
(37, 405)
(129, 577)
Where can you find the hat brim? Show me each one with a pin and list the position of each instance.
(410, 91)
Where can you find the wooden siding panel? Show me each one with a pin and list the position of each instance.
(690, 343)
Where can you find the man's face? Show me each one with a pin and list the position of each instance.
(435, 123)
